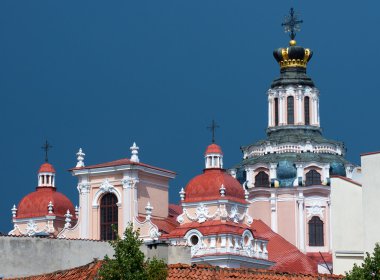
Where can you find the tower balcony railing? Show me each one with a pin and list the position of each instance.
(294, 148)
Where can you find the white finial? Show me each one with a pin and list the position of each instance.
(76, 211)
(135, 151)
(148, 210)
(182, 194)
(14, 211)
(246, 194)
(50, 207)
(80, 158)
(222, 190)
(68, 219)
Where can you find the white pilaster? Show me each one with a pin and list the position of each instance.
(130, 204)
(84, 209)
(300, 169)
(273, 206)
(330, 229)
(273, 171)
(250, 177)
(299, 107)
(281, 112)
(301, 224)
(325, 173)
(270, 106)
(315, 110)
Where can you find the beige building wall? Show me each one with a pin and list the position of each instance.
(346, 224)
(371, 195)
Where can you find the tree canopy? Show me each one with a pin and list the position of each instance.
(369, 269)
(128, 261)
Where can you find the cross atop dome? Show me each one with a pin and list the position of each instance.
(213, 128)
(46, 147)
(292, 24)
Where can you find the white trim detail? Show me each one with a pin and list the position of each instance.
(106, 187)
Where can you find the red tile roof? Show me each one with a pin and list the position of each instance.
(287, 257)
(88, 271)
(46, 167)
(213, 149)
(187, 272)
(208, 228)
(124, 161)
(200, 272)
(327, 257)
(206, 187)
(35, 204)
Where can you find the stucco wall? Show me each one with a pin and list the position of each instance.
(24, 256)
(371, 195)
(347, 224)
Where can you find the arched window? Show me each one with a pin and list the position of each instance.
(276, 111)
(313, 178)
(108, 216)
(315, 232)
(307, 110)
(262, 180)
(290, 101)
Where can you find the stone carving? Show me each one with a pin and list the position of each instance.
(31, 228)
(201, 214)
(315, 209)
(106, 186)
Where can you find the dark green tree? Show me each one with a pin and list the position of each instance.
(128, 261)
(369, 269)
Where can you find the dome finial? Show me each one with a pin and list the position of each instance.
(135, 153)
(213, 128)
(46, 147)
(80, 158)
(292, 25)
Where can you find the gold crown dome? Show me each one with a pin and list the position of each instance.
(292, 56)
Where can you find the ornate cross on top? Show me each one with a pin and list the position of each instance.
(46, 147)
(213, 127)
(292, 24)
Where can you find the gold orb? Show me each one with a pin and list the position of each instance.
(292, 42)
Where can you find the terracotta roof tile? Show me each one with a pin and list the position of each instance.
(196, 272)
(287, 257)
(188, 272)
(88, 271)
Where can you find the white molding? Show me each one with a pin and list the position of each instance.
(119, 168)
(106, 187)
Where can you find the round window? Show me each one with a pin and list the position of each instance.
(194, 240)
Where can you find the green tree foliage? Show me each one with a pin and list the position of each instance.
(369, 269)
(128, 260)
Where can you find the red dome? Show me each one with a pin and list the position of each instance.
(36, 203)
(213, 149)
(46, 167)
(206, 187)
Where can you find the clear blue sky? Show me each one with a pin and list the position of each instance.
(102, 74)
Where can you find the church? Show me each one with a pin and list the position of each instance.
(271, 210)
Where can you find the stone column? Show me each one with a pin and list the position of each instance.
(270, 109)
(250, 178)
(281, 112)
(299, 108)
(325, 173)
(318, 118)
(301, 224)
(84, 208)
(315, 110)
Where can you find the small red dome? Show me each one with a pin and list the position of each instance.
(46, 167)
(213, 149)
(206, 187)
(36, 203)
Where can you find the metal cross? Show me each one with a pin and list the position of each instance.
(213, 127)
(292, 24)
(46, 147)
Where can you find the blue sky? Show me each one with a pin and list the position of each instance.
(102, 74)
